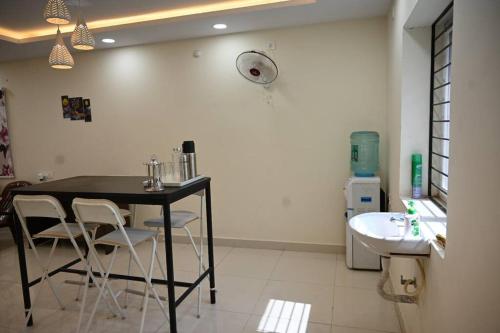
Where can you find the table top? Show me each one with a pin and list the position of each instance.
(122, 189)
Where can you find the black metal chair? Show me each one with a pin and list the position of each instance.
(6, 208)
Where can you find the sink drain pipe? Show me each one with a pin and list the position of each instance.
(409, 299)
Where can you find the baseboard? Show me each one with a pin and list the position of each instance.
(268, 244)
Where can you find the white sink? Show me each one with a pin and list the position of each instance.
(388, 237)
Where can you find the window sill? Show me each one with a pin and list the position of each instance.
(433, 221)
(427, 209)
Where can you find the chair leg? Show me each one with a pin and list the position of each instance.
(85, 259)
(148, 279)
(56, 295)
(126, 284)
(45, 277)
(84, 300)
(159, 262)
(194, 245)
(105, 285)
(146, 295)
(102, 291)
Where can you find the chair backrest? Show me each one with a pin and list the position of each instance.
(100, 211)
(38, 206)
(6, 202)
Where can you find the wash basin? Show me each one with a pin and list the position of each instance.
(387, 235)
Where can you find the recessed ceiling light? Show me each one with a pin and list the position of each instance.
(220, 26)
(108, 40)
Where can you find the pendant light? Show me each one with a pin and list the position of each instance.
(56, 12)
(60, 58)
(82, 38)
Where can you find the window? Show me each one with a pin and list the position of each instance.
(440, 115)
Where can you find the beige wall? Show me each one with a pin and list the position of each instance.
(278, 157)
(398, 71)
(472, 262)
(462, 293)
(396, 18)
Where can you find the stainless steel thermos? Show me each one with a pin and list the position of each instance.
(188, 160)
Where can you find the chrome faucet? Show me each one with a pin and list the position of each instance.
(401, 218)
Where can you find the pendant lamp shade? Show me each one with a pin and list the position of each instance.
(60, 58)
(56, 12)
(82, 38)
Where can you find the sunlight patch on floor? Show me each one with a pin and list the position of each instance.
(284, 317)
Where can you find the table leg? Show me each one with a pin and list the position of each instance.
(210, 241)
(23, 268)
(170, 268)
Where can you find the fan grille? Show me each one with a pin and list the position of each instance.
(257, 67)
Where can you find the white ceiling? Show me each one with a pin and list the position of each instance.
(27, 14)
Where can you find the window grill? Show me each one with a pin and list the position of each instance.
(440, 108)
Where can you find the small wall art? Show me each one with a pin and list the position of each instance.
(6, 163)
(76, 108)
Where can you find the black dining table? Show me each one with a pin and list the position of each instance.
(123, 190)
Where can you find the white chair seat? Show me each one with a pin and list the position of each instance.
(178, 219)
(58, 231)
(125, 212)
(116, 238)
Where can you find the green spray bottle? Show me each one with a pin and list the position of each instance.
(416, 176)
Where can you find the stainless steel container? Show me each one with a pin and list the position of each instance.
(184, 167)
(191, 160)
(155, 169)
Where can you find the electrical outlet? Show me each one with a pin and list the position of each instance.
(43, 176)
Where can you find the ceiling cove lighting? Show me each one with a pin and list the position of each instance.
(82, 38)
(56, 12)
(160, 15)
(108, 40)
(60, 58)
(220, 26)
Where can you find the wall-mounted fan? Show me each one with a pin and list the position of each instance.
(257, 67)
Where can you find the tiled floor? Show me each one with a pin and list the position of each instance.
(258, 291)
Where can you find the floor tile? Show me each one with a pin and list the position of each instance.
(310, 255)
(320, 298)
(305, 269)
(346, 277)
(210, 321)
(235, 294)
(246, 280)
(11, 305)
(272, 325)
(343, 329)
(9, 260)
(254, 263)
(362, 308)
(57, 321)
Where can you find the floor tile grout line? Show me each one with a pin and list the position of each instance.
(334, 286)
(224, 257)
(267, 282)
(373, 288)
(364, 328)
(276, 264)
